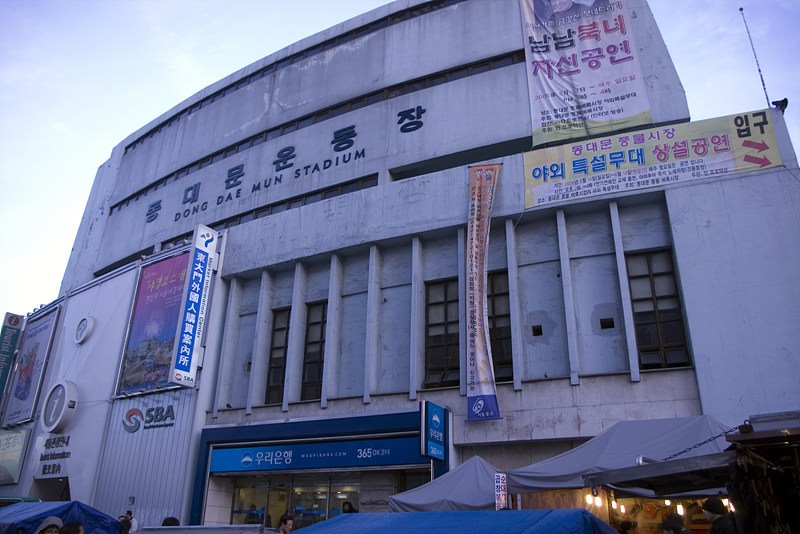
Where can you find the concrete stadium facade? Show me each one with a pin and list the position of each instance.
(336, 171)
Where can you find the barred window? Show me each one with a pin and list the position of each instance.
(441, 337)
(657, 315)
(277, 356)
(314, 356)
(499, 314)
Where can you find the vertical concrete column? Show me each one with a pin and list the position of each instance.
(625, 293)
(569, 301)
(208, 373)
(333, 332)
(297, 338)
(261, 349)
(513, 303)
(462, 313)
(229, 339)
(371, 352)
(417, 345)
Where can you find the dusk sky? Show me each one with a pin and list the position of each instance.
(78, 76)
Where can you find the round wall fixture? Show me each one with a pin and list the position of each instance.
(60, 406)
(84, 329)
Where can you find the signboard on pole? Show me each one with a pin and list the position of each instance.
(583, 69)
(9, 339)
(481, 390)
(433, 430)
(191, 324)
(655, 157)
(500, 492)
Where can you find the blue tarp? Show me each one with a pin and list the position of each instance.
(565, 521)
(25, 517)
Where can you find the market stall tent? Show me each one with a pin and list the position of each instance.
(470, 486)
(565, 521)
(25, 517)
(620, 446)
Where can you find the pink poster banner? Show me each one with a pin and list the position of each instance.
(151, 335)
(481, 390)
(583, 69)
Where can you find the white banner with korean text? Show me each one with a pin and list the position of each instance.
(583, 69)
(655, 157)
(191, 324)
(481, 390)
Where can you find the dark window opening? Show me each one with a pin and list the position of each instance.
(657, 314)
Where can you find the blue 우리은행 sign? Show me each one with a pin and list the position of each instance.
(433, 430)
(361, 453)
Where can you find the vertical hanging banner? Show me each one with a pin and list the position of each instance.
(9, 339)
(26, 379)
(191, 324)
(583, 68)
(481, 391)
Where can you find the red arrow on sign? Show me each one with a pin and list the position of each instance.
(761, 161)
(761, 146)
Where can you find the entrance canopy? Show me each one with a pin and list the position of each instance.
(466, 522)
(650, 440)
(25, 517)
(470, 486)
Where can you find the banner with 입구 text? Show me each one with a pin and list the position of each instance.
(583, 68)
(651, 158)
(481, 390)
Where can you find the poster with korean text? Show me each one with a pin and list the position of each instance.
(481, 390)
(151, 334)
(655, 157)
(584, 75)
(26, 378)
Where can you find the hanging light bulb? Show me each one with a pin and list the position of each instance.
(725, 502)
(667, 502)
(588, 498)
(598, 501)
(614, 504)
(680, 509)
(622, 508)
(732, 508)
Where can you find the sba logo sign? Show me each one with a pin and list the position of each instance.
(152, 418)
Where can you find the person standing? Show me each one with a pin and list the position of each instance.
(72, 528)
(716, 513)
(50, 525)
(286, 524)
(134, 523)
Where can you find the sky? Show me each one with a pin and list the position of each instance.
(78, 76)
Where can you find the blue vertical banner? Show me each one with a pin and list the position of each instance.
(191, 325)
(433, 430)
(481, 390)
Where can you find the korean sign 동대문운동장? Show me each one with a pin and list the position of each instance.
(650, 158)
(583, 68)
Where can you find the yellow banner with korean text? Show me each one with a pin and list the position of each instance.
(656, 157)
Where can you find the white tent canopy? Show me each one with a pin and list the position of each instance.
(470, 486)
(619, 447)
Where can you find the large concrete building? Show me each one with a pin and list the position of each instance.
(336, 172)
